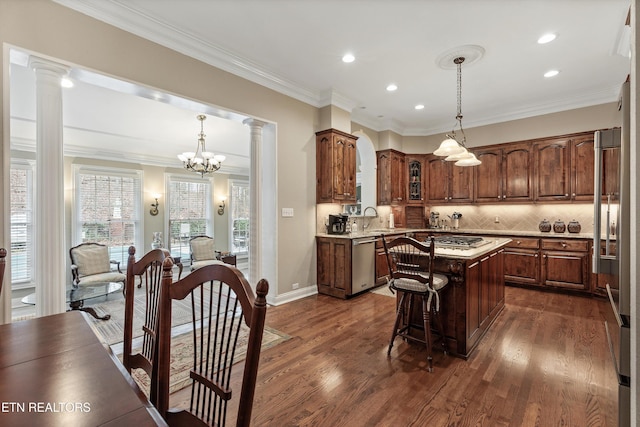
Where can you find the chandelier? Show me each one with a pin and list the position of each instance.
(454, 147)
(202, 161)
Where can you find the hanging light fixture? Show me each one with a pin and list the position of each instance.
(454, 147)
(202, 161)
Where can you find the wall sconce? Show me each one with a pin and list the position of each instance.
(154, 206)
(221, 208)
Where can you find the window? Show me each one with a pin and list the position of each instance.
(189, 202)
(239, 205)
(108, 210)
(21, 225)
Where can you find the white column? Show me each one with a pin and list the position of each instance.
(255, 203)
(50, 251)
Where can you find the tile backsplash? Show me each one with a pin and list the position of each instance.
(525, 217)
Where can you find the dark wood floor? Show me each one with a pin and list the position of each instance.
(544, 362)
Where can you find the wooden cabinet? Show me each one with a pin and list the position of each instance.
(334, 266)
(504, 175)
(392, 177)
(335, 167)
(415, 179)
(448, 183)
(565, 264)
(552, 162)
(522, 261)
(582, 172)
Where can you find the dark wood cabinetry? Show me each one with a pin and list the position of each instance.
(415, 179)
(552, 162)
(522, 261)
(392, 177)
(334, 266)
(504, 174)
(448, 183)
(565, 264)
(335, 167)
(582, 172)
(553, 262)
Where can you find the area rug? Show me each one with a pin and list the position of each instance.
(182, 357)
(383, 290)
(112, 330)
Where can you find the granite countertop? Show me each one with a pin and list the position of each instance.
(471, 253)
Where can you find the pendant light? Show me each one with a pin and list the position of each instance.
(454, 147)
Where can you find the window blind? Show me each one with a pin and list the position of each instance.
(21, 225)
(239, 205)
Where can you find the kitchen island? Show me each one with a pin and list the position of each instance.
(474, 296)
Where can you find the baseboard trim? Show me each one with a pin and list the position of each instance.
(294, 295)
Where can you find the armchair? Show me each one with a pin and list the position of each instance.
(90, 264)
(203, 252)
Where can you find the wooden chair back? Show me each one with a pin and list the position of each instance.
(148, 270)
(226, 313)
(407, 258)
(3, 255)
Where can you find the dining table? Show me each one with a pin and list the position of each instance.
(55, 371)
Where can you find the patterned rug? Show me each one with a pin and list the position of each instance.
(182, 357)
(112, 332)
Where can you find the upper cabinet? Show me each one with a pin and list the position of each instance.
(335, 167)
(447, 183)
(552, 162)
(416, 179)
(504, 174)
(392, 177)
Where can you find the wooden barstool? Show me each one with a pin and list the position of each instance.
(411, 273)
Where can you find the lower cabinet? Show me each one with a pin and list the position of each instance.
(565, 264)
(334, 266)
(522, 261)
(553, 262)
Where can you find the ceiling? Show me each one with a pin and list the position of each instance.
(295, 47)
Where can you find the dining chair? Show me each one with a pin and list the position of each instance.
(227, 314)
(3, 255)
(144, 356)
(411, 273)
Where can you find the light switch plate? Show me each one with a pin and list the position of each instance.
(287, 212)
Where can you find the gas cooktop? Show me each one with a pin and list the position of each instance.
(460, 242)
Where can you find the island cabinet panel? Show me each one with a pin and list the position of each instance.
(522, 261)
(391, 176)
(565, 264)
(334, 266)
(552, 163)
(335, 167)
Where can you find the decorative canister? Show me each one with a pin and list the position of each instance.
(574, 226)
(558, 226)
(544, 226)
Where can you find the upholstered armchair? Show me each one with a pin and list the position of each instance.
(90, 263)
(203, 252)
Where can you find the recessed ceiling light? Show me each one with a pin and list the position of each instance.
(546, 38)
(551, 73)
(419, 107)
(392, 87)
(348, 58)
(66, 82)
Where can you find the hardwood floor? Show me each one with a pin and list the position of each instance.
(544, 362)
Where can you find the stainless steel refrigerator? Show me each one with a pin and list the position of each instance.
(611, 244)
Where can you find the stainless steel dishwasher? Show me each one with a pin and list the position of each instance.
(363, 264)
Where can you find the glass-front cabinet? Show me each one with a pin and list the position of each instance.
(416, 181)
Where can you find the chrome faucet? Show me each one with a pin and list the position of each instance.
(364, 214)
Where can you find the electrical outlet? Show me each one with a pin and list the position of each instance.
(287, 212)
(497, 220)
(295, 285)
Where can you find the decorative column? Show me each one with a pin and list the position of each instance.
(255, 201)
(50, 260)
